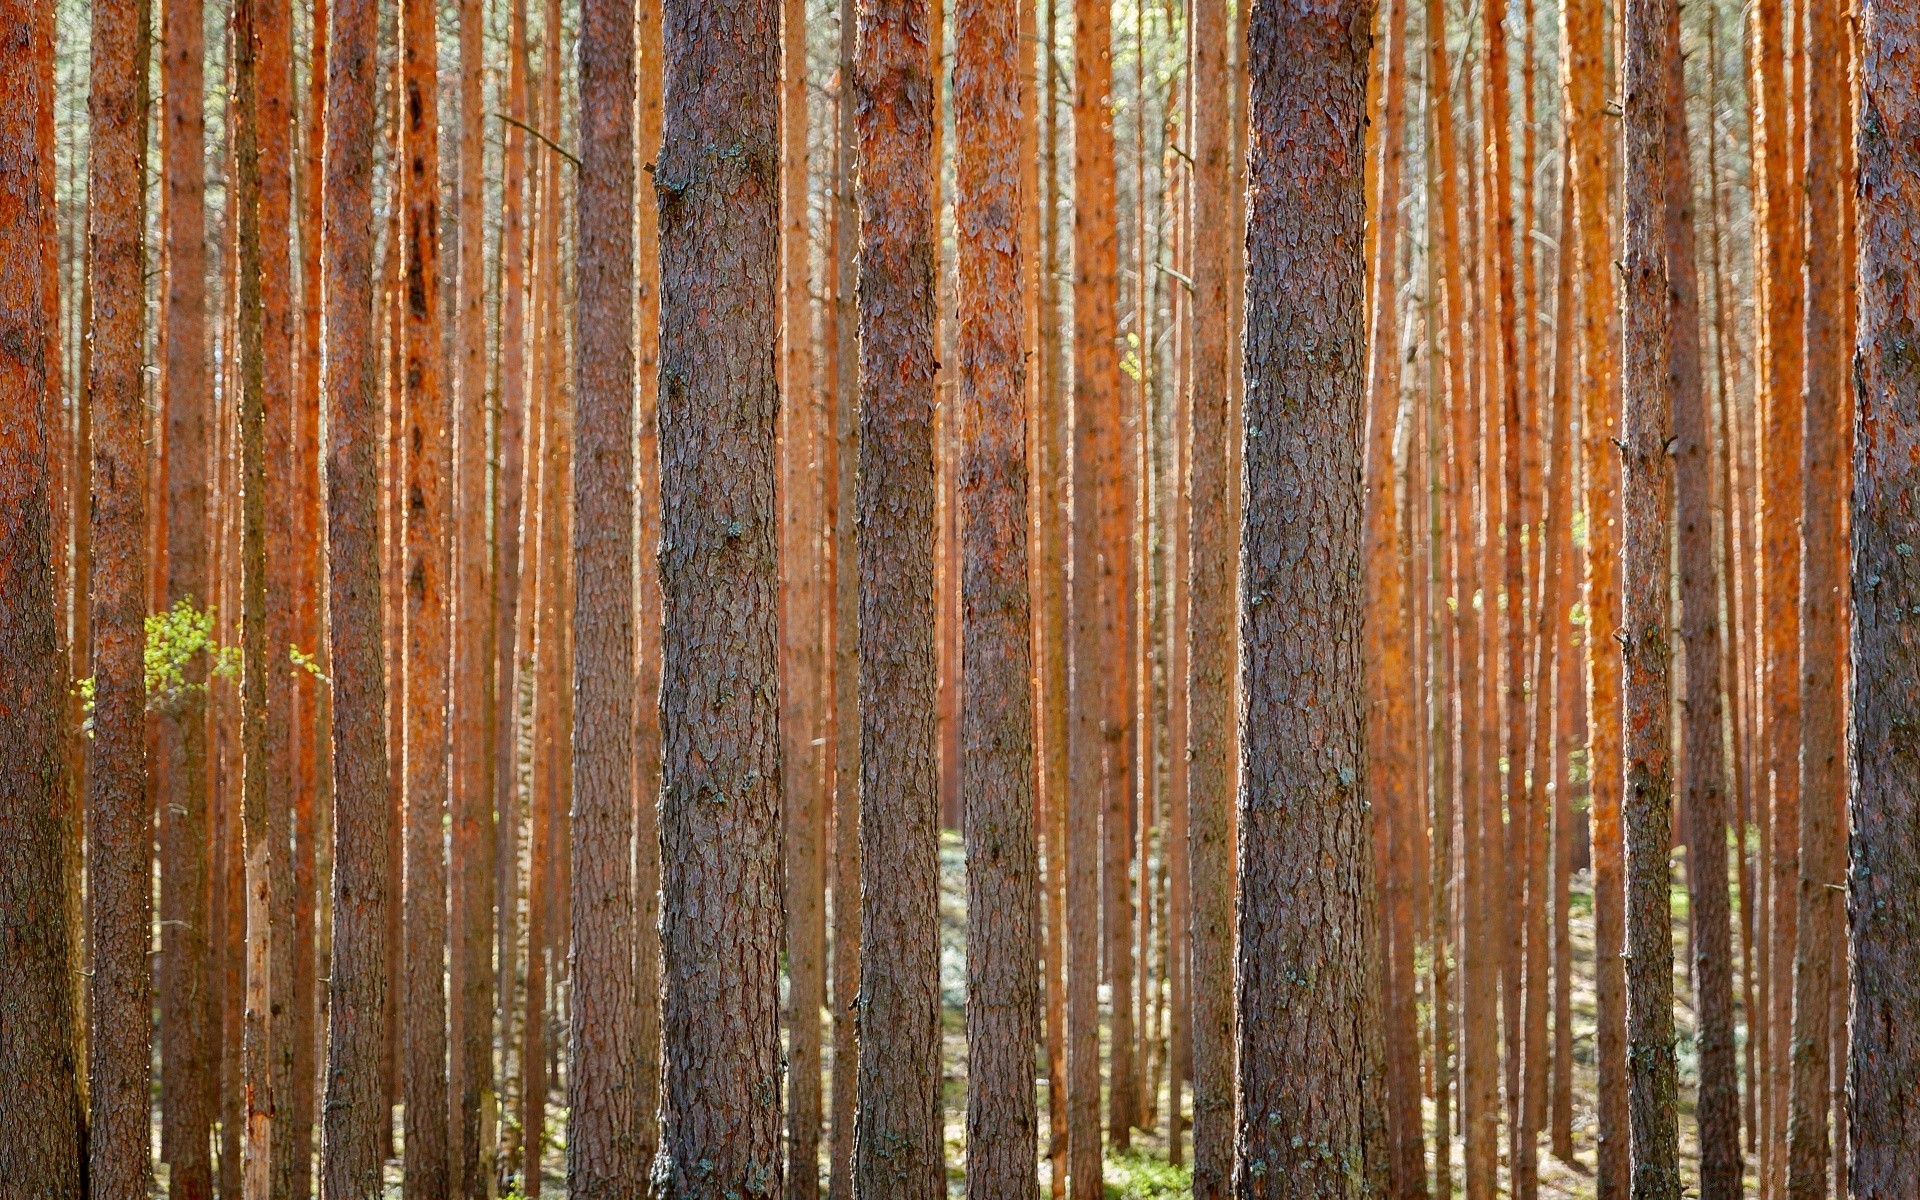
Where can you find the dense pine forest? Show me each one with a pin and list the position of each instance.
(892, 599)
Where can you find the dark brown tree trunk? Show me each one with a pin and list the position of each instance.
(898, 1145)
(1003, 1000)
(44, 1153)
(428, 459)
(1884, 869)
(1307, 1007)
(1647, 495)
(119, 845)
(357, 980)
(186, 1065)
(1704, 774)
(1822, 764)
(1210, 648)
(603, 1159)
(720, 796)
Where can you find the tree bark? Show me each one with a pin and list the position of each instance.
(897, 1144)
(118, 811)
(356, 1010)
(718, 192)
(1307, 1013)
(186, 1060)
(44, 1153)
(1884, 1152)
(1647, 494)
(1210, 650)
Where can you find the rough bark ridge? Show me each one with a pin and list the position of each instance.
(1884, 866)
(1307, 1017)
(1003, 997)
(603, 1152)
(119, 812)
(897, 1140)
(1647, 502)
(1704, 813)
(718, 187)
(1210, 648)
(43, 1155)
(1822, 538)
(356, 1009)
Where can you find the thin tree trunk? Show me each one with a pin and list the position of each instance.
(1003, 1009)
(357, 980)
(1210, 649)
(720, 810)
(119, 845)
(1306, 991)
(1884, 1154)
(1653, 1094)
(45, 1150)
(1817, 892)
(533, 1029)
(187, 1065)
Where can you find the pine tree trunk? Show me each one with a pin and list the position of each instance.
(1884, 1154)
(720, 805)
(1817, 891)
(1210, 648)
(1647, 495)
(45, 1150)
(357, 979)
(118, 815)
(186, 1058)
(1306, 990)
(1003, 1001)
(898, 1145)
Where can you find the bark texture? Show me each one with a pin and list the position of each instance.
(898, 1147)
(1307, 1013)
(1883, 1073)
(718, 187)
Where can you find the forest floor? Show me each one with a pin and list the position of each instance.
(1144, 1173)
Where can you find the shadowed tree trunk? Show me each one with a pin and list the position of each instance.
(119, 847)
(1306, 1008)
(44, 1153)
(186, 1058)
(898, 1148)
(603, 1159)
(1884, 867)
(357, 980)
(1822, 764)
(1003, 999)
(1210, 648)
(1647, 502)
(720, 795)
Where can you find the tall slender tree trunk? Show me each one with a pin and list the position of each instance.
(186, 1061)
(119, 847)
(1647, 494)
(1817, 893)
(1003, 999)
(357, 980)
(1884, 1153)
(806, 931)
(898, 1145)
(720, 800)
(1306, 1003)
(846, 621)
(44, 1153)
(1585, 103)
(603, 1160)
(1210, 649)
(1703, 748)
